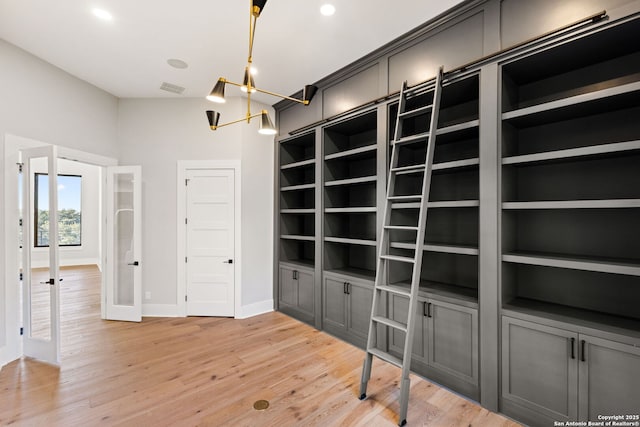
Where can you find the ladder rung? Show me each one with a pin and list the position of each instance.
(410, 205)
(386, 357)
(411, 197)
(400, 227)
(420, 88)
(390, 322)
(398, 258)
(408, 169)
(412, 138)
(416, 112)
(394, 290)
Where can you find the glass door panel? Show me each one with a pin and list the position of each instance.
(124, 288)
(40, 301)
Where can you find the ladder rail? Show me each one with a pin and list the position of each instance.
(417, 269)
(384, 258)
(381, 271)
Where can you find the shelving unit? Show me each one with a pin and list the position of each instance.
(450, 260)
(530, 285)
(296, 289)
(350, 182)
(571, 179)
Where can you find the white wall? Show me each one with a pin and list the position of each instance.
(156, 133)
(89, 251)
(42, 102)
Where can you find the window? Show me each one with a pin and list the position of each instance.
(69, 210)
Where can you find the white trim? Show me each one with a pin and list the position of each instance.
(181, 206)
(89, 158)
(161, 310)
(254, 309)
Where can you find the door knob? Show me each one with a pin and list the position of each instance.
(134, 263)
(48, 282)
(228, 261)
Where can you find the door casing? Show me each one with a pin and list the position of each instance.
(181, 206)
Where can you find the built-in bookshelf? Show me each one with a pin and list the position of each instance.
(297, 200)
(350, 182)
(450, 259)
(571, 180)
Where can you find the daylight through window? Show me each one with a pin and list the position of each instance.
(69, 210)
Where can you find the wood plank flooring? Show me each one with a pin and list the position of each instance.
(202, 371)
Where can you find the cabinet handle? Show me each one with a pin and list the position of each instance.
(573, 348)
(295, 274)
(347, 286)
(425, 313)
(429, 310)
(344, 287)
(582, 346)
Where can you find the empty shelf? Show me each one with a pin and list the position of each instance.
(574, 204)
(350, 241)
(592, 150)
(298, 164)
(587, 264)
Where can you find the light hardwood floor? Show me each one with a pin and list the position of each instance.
(201, 371)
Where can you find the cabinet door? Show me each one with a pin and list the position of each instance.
(360, 298)
(453, 339)
(334, 303)
(288, 287)
(539, 368)
(609, 378)
(398, 311)
(306, 294)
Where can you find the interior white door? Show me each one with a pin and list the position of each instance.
(210, 267)
(124, 237)
(40, 285)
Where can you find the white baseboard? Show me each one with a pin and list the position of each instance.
(254, 309)
(7, 357)
(160, 310)
(173, 310)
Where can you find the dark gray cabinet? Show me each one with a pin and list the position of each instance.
(539, 371)
(608, 378)
(346, 307)
(445, 342)
(297, 291)
(555, 374)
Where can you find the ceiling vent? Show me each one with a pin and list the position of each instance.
(172, 88)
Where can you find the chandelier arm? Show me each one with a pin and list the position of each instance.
(253, 20)
(269, 92)
(249, 99)
(301, 101)
(239, 120)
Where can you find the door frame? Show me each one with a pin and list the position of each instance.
(12, 348)
(181, 208)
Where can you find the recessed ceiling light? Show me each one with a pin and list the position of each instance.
(102, 14)
(177, 63)
(327, 9)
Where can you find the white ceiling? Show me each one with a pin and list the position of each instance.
(127, 57)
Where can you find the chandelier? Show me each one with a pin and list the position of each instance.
(248, 85)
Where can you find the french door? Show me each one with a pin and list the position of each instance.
(124, 237)
(40, 269)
